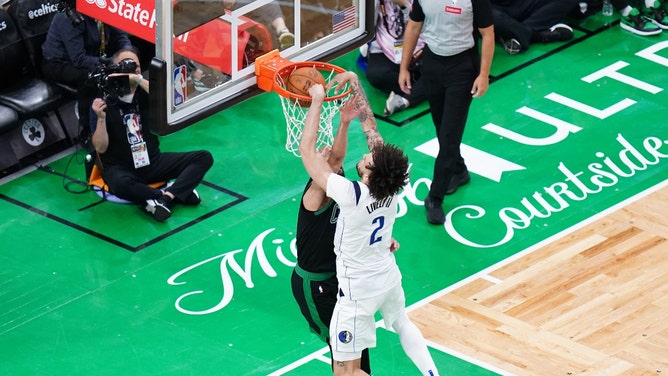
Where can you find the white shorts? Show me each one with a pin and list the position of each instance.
(353, 326)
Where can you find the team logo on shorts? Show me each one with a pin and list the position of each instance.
(345, 336)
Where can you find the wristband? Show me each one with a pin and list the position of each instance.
(140, 78)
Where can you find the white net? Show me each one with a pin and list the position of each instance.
(295, 114)
(294, 118)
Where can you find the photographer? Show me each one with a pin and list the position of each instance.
(74, 45)
(130, 153)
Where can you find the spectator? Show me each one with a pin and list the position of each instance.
(71, 50)
(519, 23)
(270, 14)
(201, 77)
(130, 153)
(384, 56)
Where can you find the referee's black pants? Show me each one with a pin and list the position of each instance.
(448, 81)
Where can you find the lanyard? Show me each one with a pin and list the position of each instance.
(103, 37)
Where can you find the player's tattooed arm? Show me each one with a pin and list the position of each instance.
(372, 135)
(368, 120)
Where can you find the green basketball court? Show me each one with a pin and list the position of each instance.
(565, 132)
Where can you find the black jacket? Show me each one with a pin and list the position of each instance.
(80, 45)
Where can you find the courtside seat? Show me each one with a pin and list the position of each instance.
(9, 119)
(40, 106)
(33, 30)
(21, 89)
(33, 19)
(31, 97)
(67, 89)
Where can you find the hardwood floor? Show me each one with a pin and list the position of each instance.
(592, 302)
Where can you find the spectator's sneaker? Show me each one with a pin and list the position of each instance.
(395, 103)
(159, 208)
(657, 15)
(286, 39)
(435, 214)
(193, 198)
(200, 86)
(638, 24)
(512, 46)
(557, 33)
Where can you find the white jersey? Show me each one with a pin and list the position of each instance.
(365, 267)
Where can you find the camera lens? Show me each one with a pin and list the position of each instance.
(127, 66)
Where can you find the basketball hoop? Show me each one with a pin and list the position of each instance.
(272, 72)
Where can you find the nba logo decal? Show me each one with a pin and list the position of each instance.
(345, 336)
(180, 85)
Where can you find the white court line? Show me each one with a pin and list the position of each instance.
(469, 359)
(490, 278)
(318, 355)
(483, 274)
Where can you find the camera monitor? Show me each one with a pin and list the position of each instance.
(205, 53)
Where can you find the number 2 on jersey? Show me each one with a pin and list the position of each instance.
(379, 222)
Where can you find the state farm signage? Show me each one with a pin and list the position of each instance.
(133, 17)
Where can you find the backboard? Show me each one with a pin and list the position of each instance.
(206, 50)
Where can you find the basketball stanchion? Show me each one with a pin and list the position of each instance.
(273, 74)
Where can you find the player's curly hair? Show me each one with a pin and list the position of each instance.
(389, 174)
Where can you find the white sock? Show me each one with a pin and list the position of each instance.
(625, 12)
(414, 345)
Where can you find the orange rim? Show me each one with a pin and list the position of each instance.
(281, 75)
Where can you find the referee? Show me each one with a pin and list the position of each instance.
(454, 72)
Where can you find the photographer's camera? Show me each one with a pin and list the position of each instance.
(113, 87)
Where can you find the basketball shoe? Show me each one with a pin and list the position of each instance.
(159, 208)
(638, 24)
(193, 198)
(512, 46)
(435, 214)
(457, 181)
(557, 33)
(395, 103)
(657, 14)
(286, 39)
